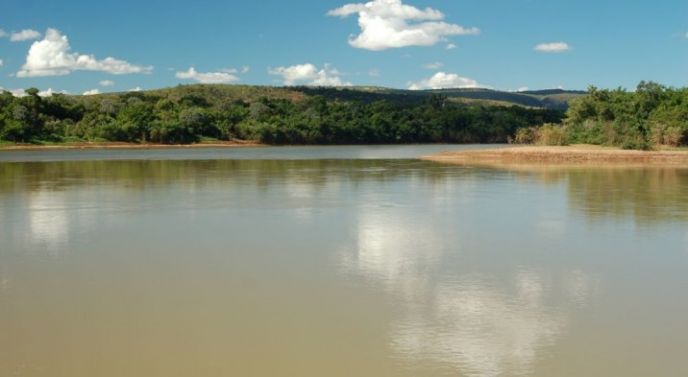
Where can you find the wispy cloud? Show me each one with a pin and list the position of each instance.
(24, 35)
(391, 24)
(553, 47)
(434, 65)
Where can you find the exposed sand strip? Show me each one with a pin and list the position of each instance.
(576, 155)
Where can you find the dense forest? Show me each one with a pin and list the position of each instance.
(651, 116)
(194, 113)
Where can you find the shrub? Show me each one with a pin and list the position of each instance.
(525, 136)
(551, 134)
(672, 136)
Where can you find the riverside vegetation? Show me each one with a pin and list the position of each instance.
(653, 115)
(650, 117)
(193, 113)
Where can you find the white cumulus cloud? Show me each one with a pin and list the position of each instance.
(553, 47)
(15, 92)
(450, 46)
(137, 89)
(91, 92)
(106, 83)
(442, 80)
(24, 35)
(18, 92)
(49, 92)
(391, 24)
(309, 74)
(222, 77)
(52, 56)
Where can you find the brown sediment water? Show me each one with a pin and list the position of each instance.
(303, 262)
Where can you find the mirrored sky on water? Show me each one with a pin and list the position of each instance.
(340, 267)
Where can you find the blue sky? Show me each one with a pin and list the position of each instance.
(399, 43)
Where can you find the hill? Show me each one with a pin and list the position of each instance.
(556, 99)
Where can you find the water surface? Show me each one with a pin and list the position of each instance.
(365, 152)
(314, 265)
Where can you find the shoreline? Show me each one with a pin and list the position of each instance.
(125, 145)
(565, 156)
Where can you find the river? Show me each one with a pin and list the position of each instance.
(337, 261)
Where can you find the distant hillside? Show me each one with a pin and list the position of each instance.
(556, 99)
(210, 94)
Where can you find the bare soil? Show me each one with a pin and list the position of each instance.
(575, 155)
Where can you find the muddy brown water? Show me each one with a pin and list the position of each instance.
(344, 261)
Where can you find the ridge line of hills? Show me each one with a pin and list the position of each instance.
(553, 99)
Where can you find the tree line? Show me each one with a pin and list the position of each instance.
(651, 116)
(197, 113)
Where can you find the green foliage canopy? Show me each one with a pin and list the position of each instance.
(188, 114)
(651, 115)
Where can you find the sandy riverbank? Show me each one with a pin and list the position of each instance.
(117, 145)
(575, 155)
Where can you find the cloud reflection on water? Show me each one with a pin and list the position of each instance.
(48, 219)
(479, 323)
